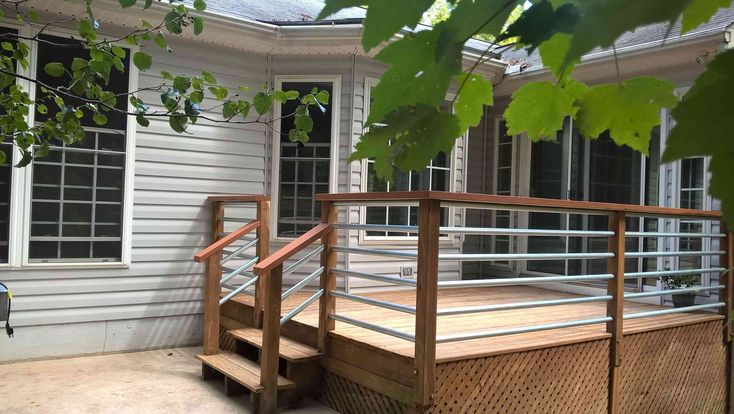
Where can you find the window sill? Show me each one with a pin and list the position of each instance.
(62, 266)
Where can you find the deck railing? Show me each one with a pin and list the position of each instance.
(428, 255)
(230, 255)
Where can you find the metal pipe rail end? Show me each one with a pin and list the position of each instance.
(513, 281)
(522, 305)
(301, 307)
(375, 302)
(298, 286)
(673, 310)
(520, 330)
(672, 292)
(376, 278)
(373, 327)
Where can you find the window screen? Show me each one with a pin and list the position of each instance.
(77, 190)
(304, 168)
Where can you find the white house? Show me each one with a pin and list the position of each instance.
(97, 241)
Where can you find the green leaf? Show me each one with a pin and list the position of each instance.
(553, 54)
(160, 40)
(2, 157)
(100, 119)
(629, 111)
(469, 18)
(182, 83)
(415, 77)
(218, 92)
(703, 128)
(200, 5)
(178, 122)
(262, 102)
(142, 61)
(540, 22)
(539, 108)
(142, 121)
(208, 77)
(411, 138)
(198, 25)
(54, 69)
(42, 109)
(166, 75)
(304, 122)
(699, 12)
(322, 97)
(127, 3)
(476, 91)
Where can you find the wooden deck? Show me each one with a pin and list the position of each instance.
(448, 298)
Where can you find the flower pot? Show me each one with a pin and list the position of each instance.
(681, 301)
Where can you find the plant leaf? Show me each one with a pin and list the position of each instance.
(142, 61)
(476, 91)
(699, 12)
(541, 21)
(54, 69)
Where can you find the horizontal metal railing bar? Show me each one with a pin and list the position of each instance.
(238, 290)
(491, 257)
(239, 270)
(298, 286)
(660, 273)
(635, 255)
(292, 268)
(236, 219)
(379, 303)
(301, 307)
(233, 287)
(674, 310)
(373, 327)
(672, 292)
(235, 253)
(529, 208)
(377, 252)
(663, 234)
(521, 305)
(520, 330)
(478, 230)
(372, 276)
(524, 280)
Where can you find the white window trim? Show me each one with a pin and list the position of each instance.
(369, 83)
(20, 218)
(495, 183)
(334, 105)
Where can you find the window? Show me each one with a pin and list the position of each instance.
(77, 191)
(304, 169)
(693, 196)
(504, 155)
(6, 184)
(435, 177)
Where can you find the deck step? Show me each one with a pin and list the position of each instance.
(242, 370)
(290, 350)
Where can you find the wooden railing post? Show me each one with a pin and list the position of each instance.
(727, 279)
(327, 302)
(212, 288)
(269, 357)
(615, 307)
(429, 220)
(262, 251)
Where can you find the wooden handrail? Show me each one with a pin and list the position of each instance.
(226, 241)
(510, 201)
(277, 258)
(244, 198)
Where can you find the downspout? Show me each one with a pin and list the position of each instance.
(350, 166)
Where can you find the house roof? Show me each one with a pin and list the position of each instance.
(281, 12)
(643, 37)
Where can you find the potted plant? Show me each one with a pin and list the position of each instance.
(682, 282)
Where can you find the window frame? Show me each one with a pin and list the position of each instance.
(369, 83)
(514, 143)
(334, 104)
(22, 188)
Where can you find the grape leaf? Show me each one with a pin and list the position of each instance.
(538, 108)
(602, 22)
(476, 91)
(471, 18)
(403, 142)
(553, 53)
(628, 110)
(414, 77)
(384, 17)
(699, 12)
(540, 22)
(703, 128)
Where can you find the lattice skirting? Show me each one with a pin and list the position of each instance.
(678, 370)
(350, 398)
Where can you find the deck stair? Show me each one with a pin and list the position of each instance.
(240, 369)
(290, 350)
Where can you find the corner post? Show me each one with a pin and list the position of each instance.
(212, 289)
(615, 307)
(270, 354)
(262, 251)
(727, 279)
(327, 302)
(429, 221)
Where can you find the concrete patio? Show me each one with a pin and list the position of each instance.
(161, 381)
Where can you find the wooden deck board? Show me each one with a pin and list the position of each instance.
(484, 321)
